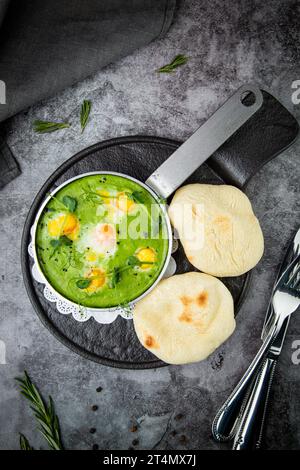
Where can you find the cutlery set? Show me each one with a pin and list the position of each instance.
(242, 416)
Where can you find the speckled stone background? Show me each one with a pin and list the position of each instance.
(228, 43)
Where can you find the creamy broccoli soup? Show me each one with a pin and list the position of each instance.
(102, 240)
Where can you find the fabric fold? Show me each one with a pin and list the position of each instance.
(9, 167)
(48, 46)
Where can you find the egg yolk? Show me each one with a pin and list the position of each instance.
(64, 224)
(148, 255)
(107, 230)
(97, 279)
(124, 203)
(91, 256)
(105, 235)
(104, 194)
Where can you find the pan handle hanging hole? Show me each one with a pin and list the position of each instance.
(248, 98)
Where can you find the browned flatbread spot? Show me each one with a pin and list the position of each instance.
(222, 222)
(202, 299)
(186, 300)
(186, 316)
(150, 342)
(194, 210)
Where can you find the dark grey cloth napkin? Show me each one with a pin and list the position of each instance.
(46, 46)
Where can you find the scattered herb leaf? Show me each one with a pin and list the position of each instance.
(43, 412)
(84, 113)
(83, 283)
(70, 203)
(47, 126)
(178, 61)
(24, 444)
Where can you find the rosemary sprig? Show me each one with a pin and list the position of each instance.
(48, 126)
(179, 60)
(43, 412)
(24, 444)
(84, 113)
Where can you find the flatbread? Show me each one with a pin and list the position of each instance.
(217, 228)
(185, 318)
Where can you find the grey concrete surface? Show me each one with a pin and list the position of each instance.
(228, 43)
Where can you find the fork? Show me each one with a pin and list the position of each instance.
(285, 301)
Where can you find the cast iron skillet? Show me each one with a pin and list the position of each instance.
(115, 344)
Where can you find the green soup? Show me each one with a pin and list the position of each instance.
(102, 240)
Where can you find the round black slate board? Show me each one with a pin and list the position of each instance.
(115, 344)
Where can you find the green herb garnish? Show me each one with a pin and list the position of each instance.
(115, 277)
(137, 197)
(63, 240)
(67, 202)
(43, 412)
(24, 444)
(134, 261)
(58, 243)
(84, 113)
(83, 283)
(91, 196)
(179, 60)
(47, 126)
(70, 203)
(55, 243)
(131, 262)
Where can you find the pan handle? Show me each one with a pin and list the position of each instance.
(206, 140)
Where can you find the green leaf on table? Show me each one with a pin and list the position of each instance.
(70, 203)
(178, 61)
(44, 413)
(85, 113)
(24, 444)
(43, 127)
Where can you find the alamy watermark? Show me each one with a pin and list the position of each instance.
(2, 92)
(2, 352)
(296, 353)
(188, 219)
(296, 93)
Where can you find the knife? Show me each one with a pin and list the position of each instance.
(249, 431)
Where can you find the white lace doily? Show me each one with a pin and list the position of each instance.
(78, 312)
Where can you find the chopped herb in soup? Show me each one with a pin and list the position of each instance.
(102, 240)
